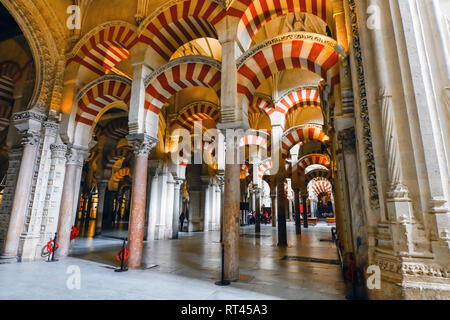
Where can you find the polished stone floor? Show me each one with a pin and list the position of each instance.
(186, 269)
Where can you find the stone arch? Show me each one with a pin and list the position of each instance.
(319, 186)
(301, 134)
(312, 159)
(94, 99)
(295, 99)
(45, 35)
(264, 167)
(254, 14)
(302, 50)
(197, 111)
(175, 76)
(179, 22)
(105, 46)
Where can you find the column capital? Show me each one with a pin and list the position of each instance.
(30, 137)
(142, 144)
(76, 155)
(58, 150)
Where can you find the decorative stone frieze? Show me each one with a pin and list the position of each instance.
(367, 135)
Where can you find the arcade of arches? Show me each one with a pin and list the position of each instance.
(338, 110)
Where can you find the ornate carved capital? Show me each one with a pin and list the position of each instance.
(398, 191)
(31, 137)
(76, 156)
(142, 144)
(59, 151)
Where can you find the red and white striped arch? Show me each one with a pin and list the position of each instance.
(254, 140)
(178, 77)
(299, 98)
(270, 58)
(317, 173)
(312, 159)
(319, 186)
(197, 111)
(180, 22)
(105, 48)
(99, 95)
(301, 134)
(255, 13)
(264, 167)
(261, 103)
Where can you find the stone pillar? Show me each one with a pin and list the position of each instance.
(101, 186)
(233, 116)
(305, 210)
(273, 197)
(257, 194)
(282, 234)
(142, 145)
(155, 199)
(290, 211)
(29, 125)
(352, 194)
(14, 157)
(176, 207)
(298, 225)
(231, 225)
(29, 239)
(206, 195)
(50, 215)
(75, 160)
(195, 200)
(218, 208)
(168, 234)
(221, 179)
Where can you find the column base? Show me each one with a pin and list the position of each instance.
(8, 259)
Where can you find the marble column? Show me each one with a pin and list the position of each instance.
(169, 207)
(75, 160)
(30, 129)
(176, 207)
(153, 209)
(142, 145)
(206, 195)
(273, 198)
(282, 234)
(101, 186)
(298, 225)
(218, 207)
(305, 211)
(257, 193)
(231, 219)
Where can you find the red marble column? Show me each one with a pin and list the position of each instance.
(101, 186)
(231, 219)
(142, 146)
(282, 233)
(75, 161)
(30, 143)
